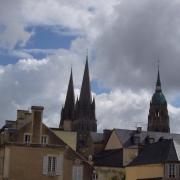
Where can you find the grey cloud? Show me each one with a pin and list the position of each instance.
(127, 50)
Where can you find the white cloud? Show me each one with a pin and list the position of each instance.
(38, 82)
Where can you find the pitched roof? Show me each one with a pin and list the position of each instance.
(125, 136)
(159, 152)
(97, 137)
(109, 158)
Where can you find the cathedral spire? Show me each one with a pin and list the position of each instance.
(67, 112)
(85, 94)
(70, 98)
(158, 83)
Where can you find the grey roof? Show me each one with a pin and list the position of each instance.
(109, 158)
(97, 137)
(125, 136)
(159, 152)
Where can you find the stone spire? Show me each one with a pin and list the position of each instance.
(67, 112)
(158, 118)
(85, 117)
(85, 94)
(158, 83)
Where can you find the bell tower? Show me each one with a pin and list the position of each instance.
(158, 118)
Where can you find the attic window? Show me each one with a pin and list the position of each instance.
(27, 138)
(150, 140)
(136, 140)
(44, 139)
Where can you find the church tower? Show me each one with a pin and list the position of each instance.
(79, 116)
(84, 117)
(67, 112)
(158, 118)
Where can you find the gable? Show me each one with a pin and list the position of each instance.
(113, 142)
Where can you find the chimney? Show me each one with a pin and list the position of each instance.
(139, 129)
(37, 115)
(23, 117)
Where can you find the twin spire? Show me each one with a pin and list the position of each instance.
(70, 111)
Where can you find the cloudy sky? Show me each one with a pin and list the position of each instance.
(41, 40)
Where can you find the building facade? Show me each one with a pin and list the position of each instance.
(30, 150)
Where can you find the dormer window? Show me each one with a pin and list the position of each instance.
(27, 138)
(44, 139)
(136, 139)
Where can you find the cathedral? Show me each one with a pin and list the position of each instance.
(79, 116)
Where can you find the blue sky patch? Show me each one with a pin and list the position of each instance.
(45, 38)
(98, 88)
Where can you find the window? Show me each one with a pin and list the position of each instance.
(95, 175)
(52, 165)
(27, 138)
(172, 170)
(44, 139)
(77, 173)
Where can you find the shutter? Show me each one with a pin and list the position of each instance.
(166, 170)
(74, 171)
(80, 172)
(177, 170)
(59, 165)
(45, 165)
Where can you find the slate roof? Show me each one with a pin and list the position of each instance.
(109, 158)
(125, 136)
(97, 137)
(155, 153)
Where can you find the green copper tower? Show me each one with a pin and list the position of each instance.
(158, 118)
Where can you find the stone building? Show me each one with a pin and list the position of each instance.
(30, 150)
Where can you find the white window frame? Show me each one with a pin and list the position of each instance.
(53, 165)
(43, 137)
(29, 135)
(172, 170)
(77, 172)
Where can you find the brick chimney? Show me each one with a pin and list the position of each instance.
(37, 115)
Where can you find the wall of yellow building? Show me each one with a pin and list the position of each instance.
(144, 171)
(70, 138)
(110, 173)
(129, 154)
(27, 163)
(113, 142)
